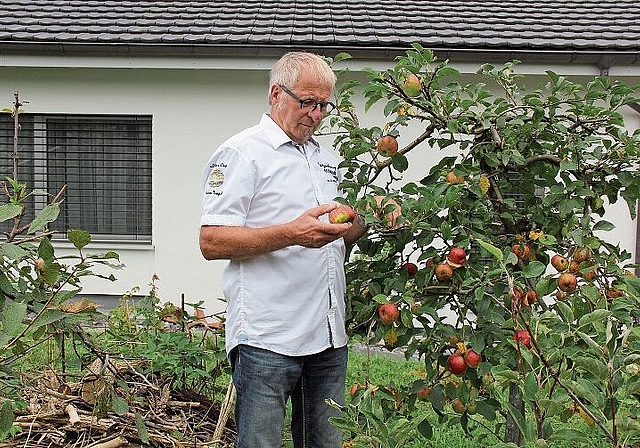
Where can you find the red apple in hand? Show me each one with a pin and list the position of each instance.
(388, 313)
(342, 214)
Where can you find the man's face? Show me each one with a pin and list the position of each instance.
(298, 123)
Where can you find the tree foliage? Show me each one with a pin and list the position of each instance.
(532, 174)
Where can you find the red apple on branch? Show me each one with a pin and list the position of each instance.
(522, 337)
(457, 257)
(456, 364)
(530, 297)
(458, 406)
(423, 393)
(443, 272)
(582, 254)
(412, 86)
(559, 262)
(411, 268)
(388, 313)
(387, 146)
(567, 282)
(522, 251)
(472, 358)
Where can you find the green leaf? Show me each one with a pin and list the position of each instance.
(143, 433)
(425, 428)
(8, 211)
(79, 238)
(573, 436)
(49, 316)
(48, 214)
(400, 162)
(594, 316)
(530, 386)
(45, 249)
(6, 417)
(604, 225)
(11, 319)
(547, 240)
(119, 405)
(486, 410)
(13, 251)
(503, 372)
(6, 286)
(517, 417)
(592, 366)
(633, 285)
(565, 311)
(534, 269)
(590, 342)
(343, 423)
(493, 250)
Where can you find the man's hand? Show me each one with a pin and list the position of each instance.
(310, 231)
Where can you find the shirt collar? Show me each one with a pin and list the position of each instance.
(278, 137)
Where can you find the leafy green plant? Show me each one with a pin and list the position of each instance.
(154, 333)
(532, 176)
(171, 354)
(36, 286)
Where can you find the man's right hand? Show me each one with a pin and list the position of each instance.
(310, 231)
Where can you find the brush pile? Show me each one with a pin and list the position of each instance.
(115, 405)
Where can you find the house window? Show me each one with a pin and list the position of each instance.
(104, 161)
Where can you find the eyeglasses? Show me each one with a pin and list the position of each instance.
(310, 104)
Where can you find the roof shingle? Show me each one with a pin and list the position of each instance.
(525, 25)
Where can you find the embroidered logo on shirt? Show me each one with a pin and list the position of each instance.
(215, 180)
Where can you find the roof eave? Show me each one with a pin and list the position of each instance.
(602, 58)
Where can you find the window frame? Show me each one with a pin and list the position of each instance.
(120, 160)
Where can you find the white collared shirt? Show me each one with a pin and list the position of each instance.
(290, 301)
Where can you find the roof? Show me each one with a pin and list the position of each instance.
(572, 28)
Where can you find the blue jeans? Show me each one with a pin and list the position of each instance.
(264, 382)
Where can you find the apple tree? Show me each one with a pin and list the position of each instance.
(509, 281)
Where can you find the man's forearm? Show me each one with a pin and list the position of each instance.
(234, 243)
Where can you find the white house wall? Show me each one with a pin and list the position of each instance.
(195, 105)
